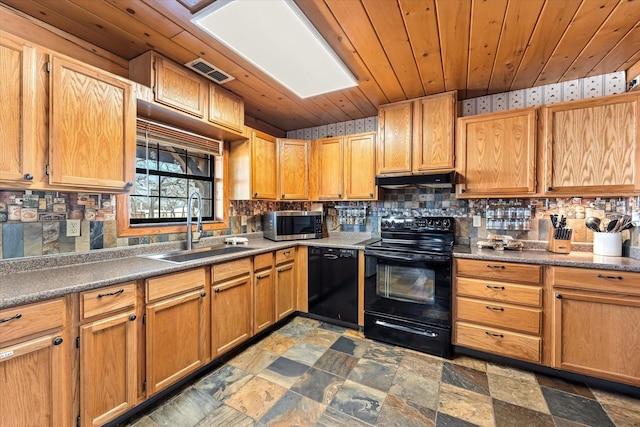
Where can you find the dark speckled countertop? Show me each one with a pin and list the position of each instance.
(39, 278)
(573, 259)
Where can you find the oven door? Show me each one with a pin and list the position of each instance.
(409, 286)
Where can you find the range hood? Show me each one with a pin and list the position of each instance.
(437, 180)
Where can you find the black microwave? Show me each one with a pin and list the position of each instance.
(292, 225)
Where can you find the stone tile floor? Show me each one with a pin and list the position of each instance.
(310, 373)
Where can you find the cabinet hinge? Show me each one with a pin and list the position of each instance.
(144, 319)
(144, 385)
(78, 421)
(77, 342)
(48, 67)
(46, 170)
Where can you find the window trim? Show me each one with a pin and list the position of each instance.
(126, 229)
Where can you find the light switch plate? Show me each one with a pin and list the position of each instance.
(73, 227)
(477, 220)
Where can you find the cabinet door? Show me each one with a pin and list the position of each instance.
(17, 121)
(265, 302)
(93, 128)
(175, 338)
(434, 118)
(225, 108)
(591, 146)
(360, 161)
(596, 334)
(108, 368)
(285, 290)
(34, 384)
(330, 169)
(394, 146)
(497, 154)
(293, 169)
(179, 88)
(264, 166)
(231, 313)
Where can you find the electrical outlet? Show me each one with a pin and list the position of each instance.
(73, 227)
(477, 220)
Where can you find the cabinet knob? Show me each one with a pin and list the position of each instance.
(549, 188)
(370, 194)
(559, 296)
(282, 196)
(28, 177)
(57, 341)
(129, 184)
(203, 294)
(462, 190)
(132, 317)
(339, 196)
(216, 290)
(255, 194)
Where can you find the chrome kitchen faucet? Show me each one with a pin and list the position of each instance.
(191, 236)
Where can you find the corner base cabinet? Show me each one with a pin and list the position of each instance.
(596, 314)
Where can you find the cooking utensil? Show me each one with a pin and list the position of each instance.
(612, 225)
(593, 223)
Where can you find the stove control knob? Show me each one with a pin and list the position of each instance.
(385, 223)
(446, 224)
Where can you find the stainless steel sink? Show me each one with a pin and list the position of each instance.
(194, 254)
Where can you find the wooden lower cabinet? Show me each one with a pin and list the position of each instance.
(35, 366)
(108, 353)
(595, 332)
(176, 327)
(285, 283)
(264, 295)
(498, 308)
(231, 305)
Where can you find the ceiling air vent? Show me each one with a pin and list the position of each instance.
(209, 71)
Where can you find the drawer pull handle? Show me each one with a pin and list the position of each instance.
(17, 316)
(495, 266)
(500, 288)
(494, 335)
(119, 291)
(602, 276)
(488, 307)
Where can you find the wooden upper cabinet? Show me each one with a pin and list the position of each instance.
(253, 167)
(173, 84)
(590, 146)
(497, 154)
(433, 132)
(417, 136)
(330, 152)
(360, 160)
(395, 133)
(225, 108)
(18, 69)
(93, 128)
(293, 169)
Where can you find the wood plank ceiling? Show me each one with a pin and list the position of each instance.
(397, 49)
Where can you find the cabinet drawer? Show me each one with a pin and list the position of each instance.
(500, 291)
(498, 341)
(22, 321)
(284, 255)
(227, 270)
(107, 300)
(600, 280)
(501, 315)
(507, 271)
(174, 284)
(262, 261)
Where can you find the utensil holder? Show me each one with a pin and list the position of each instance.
(607, 244)
(556, 245)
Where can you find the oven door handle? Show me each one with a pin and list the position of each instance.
(426, 333)
(392, 257)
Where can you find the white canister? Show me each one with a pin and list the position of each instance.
(607, 244)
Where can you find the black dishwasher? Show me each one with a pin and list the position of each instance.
(333, 285)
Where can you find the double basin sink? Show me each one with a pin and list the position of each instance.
(195, 254)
